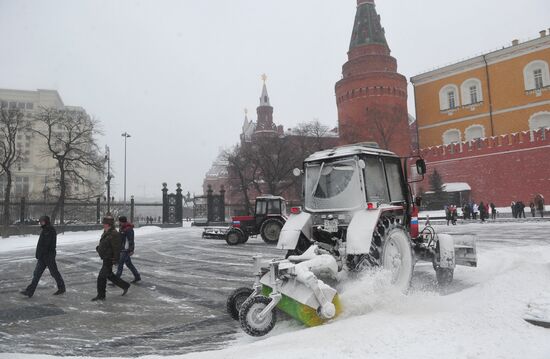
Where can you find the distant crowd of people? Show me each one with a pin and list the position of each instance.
(518, 209)
(483, 211)
(149, 219)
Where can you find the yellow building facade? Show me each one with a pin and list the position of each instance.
(497, 93)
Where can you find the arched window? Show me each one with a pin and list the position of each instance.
(448, 98)
(474, 132)
(471, 91)
(539, 120)
(451, 136)
(536, 75)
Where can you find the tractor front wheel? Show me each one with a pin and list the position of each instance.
(270, 230)
(249, 318)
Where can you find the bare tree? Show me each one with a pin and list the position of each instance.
(313, 136)
(243, 169)
(12, 122)
(70, 141)
(275, 158)
(351, 132)
(377, 125)
(383, 124)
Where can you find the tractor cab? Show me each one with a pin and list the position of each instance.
(267, 221)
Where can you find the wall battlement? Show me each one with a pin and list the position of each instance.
(488, 146)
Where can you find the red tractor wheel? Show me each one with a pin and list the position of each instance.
(234, 237)
(270, 230)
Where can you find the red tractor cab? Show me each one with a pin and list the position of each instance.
(267, 221)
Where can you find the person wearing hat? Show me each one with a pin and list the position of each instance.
(127, 242)
(45, 254)
(109, 251)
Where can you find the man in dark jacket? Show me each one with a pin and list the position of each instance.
(127, 242)
(45, 254)
(109, 251)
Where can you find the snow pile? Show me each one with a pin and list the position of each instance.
(29, 242)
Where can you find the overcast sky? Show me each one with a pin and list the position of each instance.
(177, 75)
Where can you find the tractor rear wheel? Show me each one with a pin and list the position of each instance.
(234, 237)
(390, 249)
(398, 258)
(236, 300)
(249, 318)
(270, 230)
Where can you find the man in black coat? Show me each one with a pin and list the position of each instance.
(45, 254)
(127, 248)
(109, 251)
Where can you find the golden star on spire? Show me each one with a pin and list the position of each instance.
(264, 78)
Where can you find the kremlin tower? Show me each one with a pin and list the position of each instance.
(372, 96)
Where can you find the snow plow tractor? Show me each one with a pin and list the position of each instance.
(358, 214)
(268, 220)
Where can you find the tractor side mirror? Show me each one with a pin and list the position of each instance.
(297, 172)
(421, 167)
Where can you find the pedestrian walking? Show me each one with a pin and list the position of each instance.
(475, 210)
(513, 206)
(493, 211)
(521, 209)
(482, 213)
(539, 203)
(532, 207)
(45, 254)
(454, 214)
(128, 246)
(466, 211)
(447, 214)
(109, 251)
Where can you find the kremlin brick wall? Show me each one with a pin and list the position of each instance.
(501, 169)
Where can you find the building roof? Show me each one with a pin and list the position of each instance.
(506, 53)
(456, 187)
(367, 28)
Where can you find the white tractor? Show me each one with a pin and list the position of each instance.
(358, 214)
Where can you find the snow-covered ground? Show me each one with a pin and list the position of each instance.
(29, 241)
(478, 316)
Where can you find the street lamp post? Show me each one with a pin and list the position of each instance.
(126, 135)
(45, 193)
(109, 177)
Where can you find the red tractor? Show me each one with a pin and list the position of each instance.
(268, 220)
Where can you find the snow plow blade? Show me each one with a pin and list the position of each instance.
(465, 250)
(302, 312)
(215, 232)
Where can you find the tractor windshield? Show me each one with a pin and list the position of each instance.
(333, 186)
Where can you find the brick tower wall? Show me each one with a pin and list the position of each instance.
(501, 169)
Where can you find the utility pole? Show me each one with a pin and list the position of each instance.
(126, 135)
(45, 193)
(108, 182)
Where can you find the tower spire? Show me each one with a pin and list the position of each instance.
(367, 29)
(264, 100)
(372, 96)
(265, 112)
